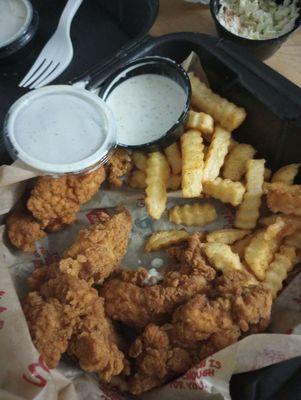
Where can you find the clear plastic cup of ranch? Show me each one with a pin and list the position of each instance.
(60, 129)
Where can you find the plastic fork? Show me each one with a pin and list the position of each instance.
(56, 54)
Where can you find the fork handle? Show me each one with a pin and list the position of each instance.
(68, 13)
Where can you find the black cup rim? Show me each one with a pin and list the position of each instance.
(24, 39)
(158, 143)
(246, 40)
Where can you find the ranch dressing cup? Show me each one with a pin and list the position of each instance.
(60, 129)
(18, 24)
(149, 98)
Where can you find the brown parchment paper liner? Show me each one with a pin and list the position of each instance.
(23, 375)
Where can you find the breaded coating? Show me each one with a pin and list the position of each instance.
(68, 312)
(118, 165)
(100, 248)
(130, 300)
(157, 358)
(55, 201)
(23, 230)
(50, 325)
(203, 325)
(96, 252)
(284, 198)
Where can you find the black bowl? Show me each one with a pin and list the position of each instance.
(160, 66)
(261, 49)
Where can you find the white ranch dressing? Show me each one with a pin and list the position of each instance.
(15, 16)
(60, 129)
(145, 107)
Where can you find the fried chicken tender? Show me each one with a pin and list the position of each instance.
(284, 198)
(158, 359)
(50, 326)
(68, 313)
(96, 251)
(130, 300)
(54, 202)
(200, 327)
(118, 165)
(23, 230)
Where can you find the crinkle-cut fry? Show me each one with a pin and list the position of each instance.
(277, 271)
(157, 175)
(294, 240)
(240, 246)
(222, 257)
(202, 122)
(232, 144)
(139, 160)
(267, 174)
(235, 163)
(163, 239)
(192, 163)
(262, 247)
(223, 111)
(193, 214)
(226, 236)
(217, 152)
(286, 174)
(284, 198)
(174, 182)
(225, 190)
(137, 179)
(248, 212)
(174, 158)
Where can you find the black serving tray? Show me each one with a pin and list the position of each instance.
(108, 33)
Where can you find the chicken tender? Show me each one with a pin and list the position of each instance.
(118, 165)
(68, 313)
(200, 327)
(23, 231)
(54, 202)
(284, 198)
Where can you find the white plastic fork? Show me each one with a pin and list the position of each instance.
(56, 54)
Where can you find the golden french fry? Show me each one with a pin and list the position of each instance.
(225, 190)
(202, 122)
(192, 163)
(137, 179)
(139, 160)
(240, 246)
(284, 198)
(222, 257)
(226, 236)
(277, 271)
(263, 246)
(193, 214)
(232, 144)
(286, 174)
(248, 212)
(174, 182)
(217, 152)
(174, 159)
(163, 239)
(267, 174)
(157, 175)
(294, 240)
(235, 163)
(223, 111)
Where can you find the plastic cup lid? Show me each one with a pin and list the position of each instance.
(60, 129)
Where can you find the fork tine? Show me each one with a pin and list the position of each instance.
(33, 70)
(38, 75)
(46, 78)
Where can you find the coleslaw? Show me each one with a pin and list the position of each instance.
(258, 19)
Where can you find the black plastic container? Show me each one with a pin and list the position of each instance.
(160, 66)
(261, 49)
(22, 45)
(115, 32)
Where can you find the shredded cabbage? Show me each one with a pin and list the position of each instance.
(258, 19)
